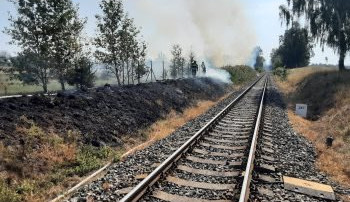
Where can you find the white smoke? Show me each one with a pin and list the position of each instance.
(216, 30)
(252, 59)
(219, 74)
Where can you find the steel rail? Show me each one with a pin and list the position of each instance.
(244, 195)
(142, 187)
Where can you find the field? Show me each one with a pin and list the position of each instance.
(14, 87)
(326, 91)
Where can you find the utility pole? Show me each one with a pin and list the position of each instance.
(151, 70)
(163, 70)
(151, 73)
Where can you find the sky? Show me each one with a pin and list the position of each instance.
(165, 22)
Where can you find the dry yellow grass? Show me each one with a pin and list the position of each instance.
(335, 121)
(330, 160)
(297, 75)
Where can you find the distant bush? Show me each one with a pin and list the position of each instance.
(260, 69)
(281, 72)
(241, 74)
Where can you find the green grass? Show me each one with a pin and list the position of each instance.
(14, 87)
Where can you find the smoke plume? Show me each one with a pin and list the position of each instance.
(216, 30)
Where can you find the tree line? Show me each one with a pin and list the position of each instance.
(49, 33)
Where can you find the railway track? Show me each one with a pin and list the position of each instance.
(217, 163)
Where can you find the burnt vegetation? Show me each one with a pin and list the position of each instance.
(47, 140)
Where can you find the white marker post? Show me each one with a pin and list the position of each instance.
(301, 110)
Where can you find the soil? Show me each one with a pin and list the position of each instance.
(103, 115)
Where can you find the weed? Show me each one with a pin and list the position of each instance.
(7, 194)
(25, 187)
(89, 158)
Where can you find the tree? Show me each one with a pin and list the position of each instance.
(129, 46)
(30, 30)
(107, 41)
(329, 22)
(276, 59)
(191, 59)
(118, 45)
(48, 30)
(140, 69)
(65, 37)
(259, 63)
(295, 48)
(82, 74)
(30, 68)
(4, 59)
(177, 62)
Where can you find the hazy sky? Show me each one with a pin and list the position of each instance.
(261, 19)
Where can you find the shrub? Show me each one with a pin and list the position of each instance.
(281, 72)
(260, 69)
(89, 158)
(241, 74)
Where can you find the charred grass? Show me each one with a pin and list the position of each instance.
(327, 92)
(44, 141)
(47, 164)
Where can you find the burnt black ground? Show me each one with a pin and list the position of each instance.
(103, 115)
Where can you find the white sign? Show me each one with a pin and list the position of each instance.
(301, 110)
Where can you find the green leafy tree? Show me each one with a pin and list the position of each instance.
(107, 41)
(30, 68)
(259, 63)
(30, 29)
(140, 61)
(65, 37)
(276, 59)
(47, 30)
(177, 61)
(329, 22)
(118, 43)
(295, 48)
(4, 59)
(82, 75)
(129, 46)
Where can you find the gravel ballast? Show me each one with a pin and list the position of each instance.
(294, 157)
(121, 175)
